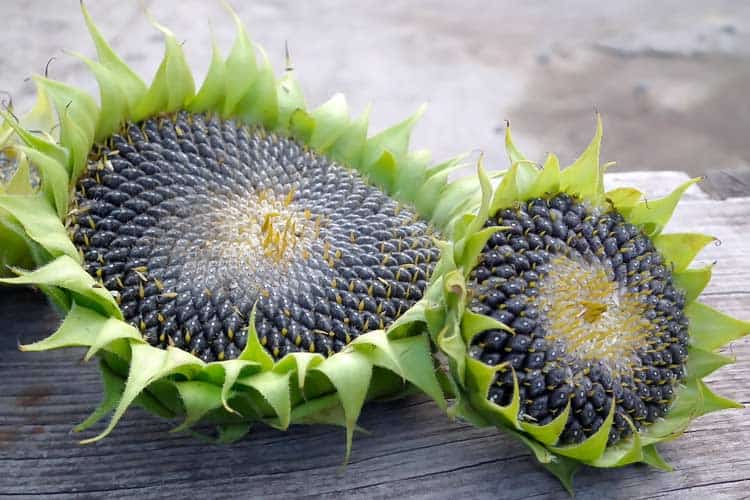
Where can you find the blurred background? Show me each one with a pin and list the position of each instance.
(671, 78)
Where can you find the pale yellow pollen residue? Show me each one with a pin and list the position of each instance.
(592, 315)
(269, 226)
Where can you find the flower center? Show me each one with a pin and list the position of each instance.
(593, 316)
(263, 229)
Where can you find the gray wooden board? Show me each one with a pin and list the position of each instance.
(412, 450)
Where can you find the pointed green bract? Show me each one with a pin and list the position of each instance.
(44, 142)
(67, 274)
(77, 113)
(40, 223)
(17, 248)
(550, 433)
(350, 374)
(232, 371)
(328, 119)
(692, 281)
(199, 398)
(479, 380)
(585, 177)
(623, 198)
(351, 141)
(147, 365)
(702, 363)
(274, 388)
(112, 97)
(711, 329)
(241, 68)
(54, 178)
(562, 468)
(514, 155)
(20, 183)
(131, 84)
(626, 452)
(652, 457)
(290, 100)
(414, 356)
(592, 448)
(549, 180)
(113, 387)
(210, 95)
(173, 85)
(394, 140)
(653, 215)
(682, 247)
(259, 105)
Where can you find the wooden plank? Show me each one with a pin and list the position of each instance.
(728, 182)
(412, 449)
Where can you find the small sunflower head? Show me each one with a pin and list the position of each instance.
(570, 318)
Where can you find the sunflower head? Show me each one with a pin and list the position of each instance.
(229, 255)
(570, 319)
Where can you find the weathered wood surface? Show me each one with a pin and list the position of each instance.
(412, 449)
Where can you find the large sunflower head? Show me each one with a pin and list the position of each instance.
(570, 319)
(230, 256)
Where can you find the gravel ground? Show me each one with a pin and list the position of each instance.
(670, 77)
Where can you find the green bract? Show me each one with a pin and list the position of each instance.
(301, 387)
(453, 326)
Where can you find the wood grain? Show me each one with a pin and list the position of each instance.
(412, 450)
